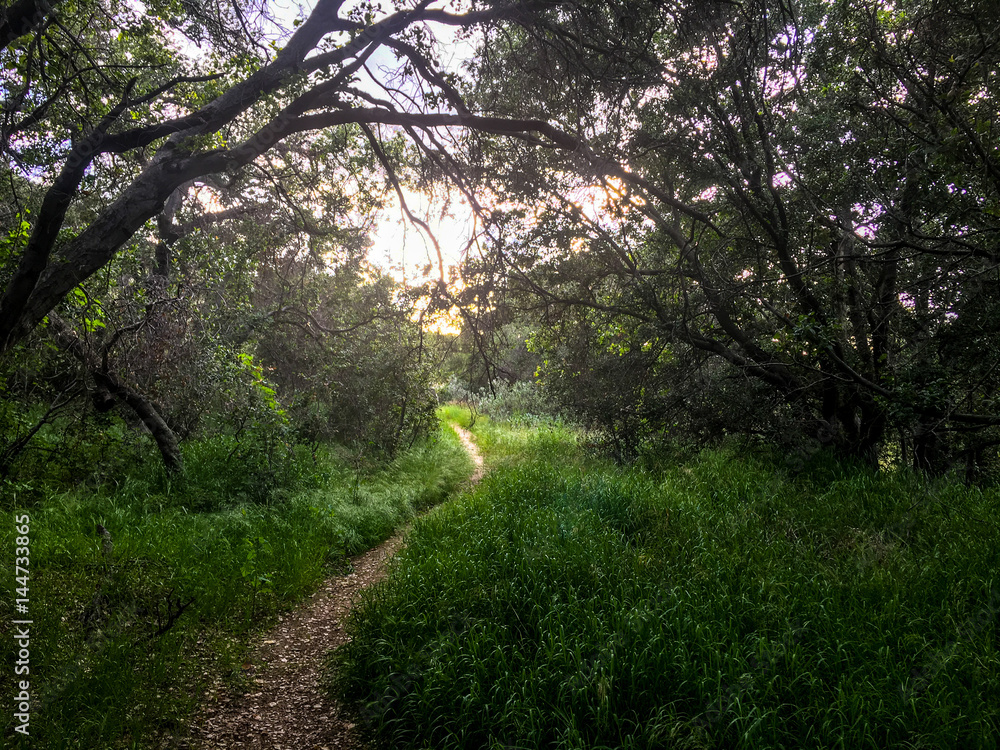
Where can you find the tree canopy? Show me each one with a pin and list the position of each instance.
(99, 91)
(774, 216)
(795, 196)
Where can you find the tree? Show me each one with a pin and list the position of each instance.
(345, 352)
(120, 112)
(805, 191)
(224, 319)
(111, 138)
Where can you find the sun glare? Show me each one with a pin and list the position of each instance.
(407, 252)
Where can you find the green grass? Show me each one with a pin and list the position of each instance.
(719, 604)
(101, 677)
(502, 443)
(455, 413)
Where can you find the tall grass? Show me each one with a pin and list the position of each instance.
(510, 441)
(720, 604)
(103, 674)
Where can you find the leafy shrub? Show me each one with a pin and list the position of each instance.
(520, 402)
(524, 400)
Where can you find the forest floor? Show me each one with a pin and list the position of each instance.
(289, 709)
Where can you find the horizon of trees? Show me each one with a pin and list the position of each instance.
(797, 242)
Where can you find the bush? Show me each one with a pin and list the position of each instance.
(521, 402)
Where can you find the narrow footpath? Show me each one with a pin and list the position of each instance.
(289, 709)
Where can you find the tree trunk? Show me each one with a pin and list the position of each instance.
(108, 385)
(926, 451)
(165, 438)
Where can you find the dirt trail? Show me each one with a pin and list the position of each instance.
(288, 709)
(470, 446)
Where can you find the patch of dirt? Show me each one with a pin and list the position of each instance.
(470, 446)
(288, 709)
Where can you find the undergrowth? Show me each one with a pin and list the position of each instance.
(123, 639)
(566, 603)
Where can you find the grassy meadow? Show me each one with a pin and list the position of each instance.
(715, 603)
(123, 641)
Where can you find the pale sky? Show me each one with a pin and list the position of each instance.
(398, 246)
(404, 249)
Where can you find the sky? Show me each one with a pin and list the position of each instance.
(405, 251)
(398, 246)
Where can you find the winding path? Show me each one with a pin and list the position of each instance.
(289, 709)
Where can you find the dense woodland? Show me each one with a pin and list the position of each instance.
(752, 230)
(764, 218)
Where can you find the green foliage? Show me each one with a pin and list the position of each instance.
(523, 402)
(70, 449)
(797, 245)
(14, 239)
(366, 384)
(103, 675)
(567, 603)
